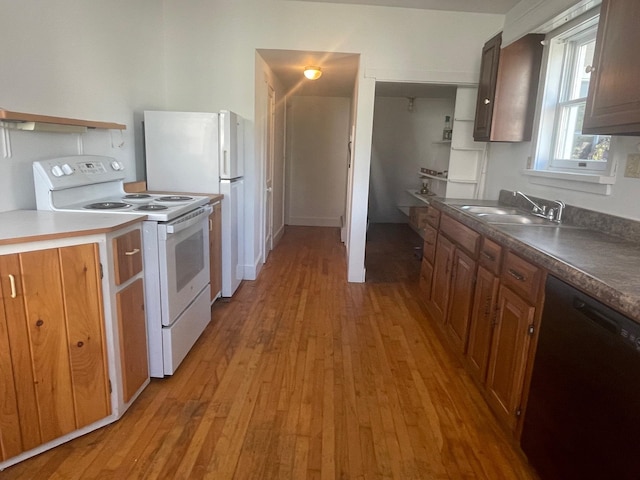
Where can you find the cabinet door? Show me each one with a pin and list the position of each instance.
(215, 250)
(481, 328)
(487, 88)
(505, 114)
(19, 362)
(52, 305)
(85, 332)
(508, 358)
(133, 338)
(10, 435)
(462, 282)
(441, 279)
(426, 279)
(44, 301)
(613, 102)
(429, 246)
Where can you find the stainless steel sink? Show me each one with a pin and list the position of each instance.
(518, 219)
(506, 216)
(483, 210)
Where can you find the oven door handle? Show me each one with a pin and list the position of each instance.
(189, 220)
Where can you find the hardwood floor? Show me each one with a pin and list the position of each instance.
(302, 375)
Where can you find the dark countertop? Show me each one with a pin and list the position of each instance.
(602, 265)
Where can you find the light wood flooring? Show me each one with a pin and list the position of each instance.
(302, 375)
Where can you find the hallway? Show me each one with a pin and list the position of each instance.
(302, 375)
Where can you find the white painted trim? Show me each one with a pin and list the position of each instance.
(581, 182)
(541, 16)
(365, 100)
(422, 76)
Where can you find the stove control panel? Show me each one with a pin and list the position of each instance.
(74, 171)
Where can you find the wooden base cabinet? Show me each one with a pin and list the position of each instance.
(441, 285)
(509, 355)
(462, 281)
(53, 363)
(482, 323)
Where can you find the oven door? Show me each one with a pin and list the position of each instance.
(183, 250)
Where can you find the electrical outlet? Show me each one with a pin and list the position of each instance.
(632, 170)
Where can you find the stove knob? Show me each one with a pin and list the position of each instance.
(57, 171)
(116, 165)
(66, 169)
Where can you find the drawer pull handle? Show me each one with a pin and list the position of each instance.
(516, 275)
(489, 256)
(12, 281)
(132, 252)
(210, 225)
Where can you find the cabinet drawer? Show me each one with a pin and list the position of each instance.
(127, 256)
(429, 249)
(466, 238)
(490, 256)
(433, 217)
(522, 277)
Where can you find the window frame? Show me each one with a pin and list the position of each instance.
(550, 97)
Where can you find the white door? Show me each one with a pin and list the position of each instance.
(270, 153)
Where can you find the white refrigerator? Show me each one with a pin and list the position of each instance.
(202, 153)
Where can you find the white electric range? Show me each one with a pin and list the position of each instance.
(175, 239)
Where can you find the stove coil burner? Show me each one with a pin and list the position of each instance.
(174, 198)
(151, 206)
(137, 196)
(107, 206)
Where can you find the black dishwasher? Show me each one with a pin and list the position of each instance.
(583, 413)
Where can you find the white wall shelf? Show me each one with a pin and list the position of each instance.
(434, 177)
(465, 156)
(34, 119)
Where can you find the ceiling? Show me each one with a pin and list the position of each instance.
(340, 70)
(476, 6)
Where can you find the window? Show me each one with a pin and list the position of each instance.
(561, 145)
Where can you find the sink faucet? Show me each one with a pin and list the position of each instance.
(554, 214)
(537, 209)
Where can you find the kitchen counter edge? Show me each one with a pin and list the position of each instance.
(21, 226)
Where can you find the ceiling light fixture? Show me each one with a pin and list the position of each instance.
(312, 73)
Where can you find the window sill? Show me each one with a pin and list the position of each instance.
(581, 182)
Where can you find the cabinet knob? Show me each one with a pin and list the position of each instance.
(590, 69)
(487, 101)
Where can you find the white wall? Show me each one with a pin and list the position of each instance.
(210, 64)
(317, 161)
(110, 60)
(507, 161)
(98, 60)
(403, 141)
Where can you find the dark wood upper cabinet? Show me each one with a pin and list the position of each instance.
(507, 89)
(613, 102)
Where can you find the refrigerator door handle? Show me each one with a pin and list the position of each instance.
(225, 163)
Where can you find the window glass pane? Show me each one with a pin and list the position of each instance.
(580, 82)
(573, 144)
